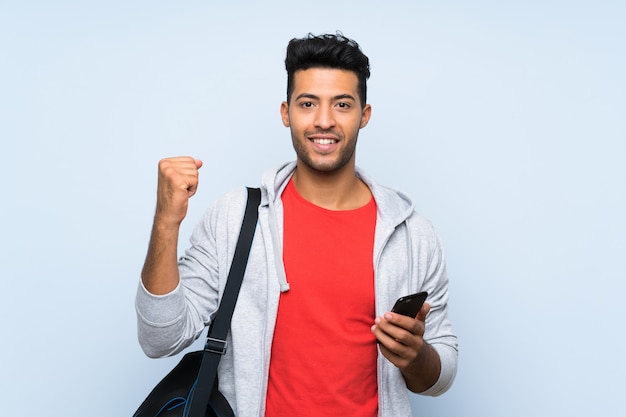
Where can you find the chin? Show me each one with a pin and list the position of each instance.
(325, 167)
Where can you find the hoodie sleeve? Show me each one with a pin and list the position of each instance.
(439, 333)
(169, 323)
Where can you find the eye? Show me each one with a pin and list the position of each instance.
(343, 105)
(306, 104)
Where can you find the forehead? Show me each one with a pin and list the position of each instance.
(320, 81)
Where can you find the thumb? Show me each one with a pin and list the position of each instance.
(198, 163)
(421, 316)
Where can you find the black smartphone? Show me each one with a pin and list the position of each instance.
(410, 305)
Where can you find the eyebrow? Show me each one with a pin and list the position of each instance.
(335, 98)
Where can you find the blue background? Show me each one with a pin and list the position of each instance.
(505, 121)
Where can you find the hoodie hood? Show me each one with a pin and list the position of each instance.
(393, 209)
(394, 206)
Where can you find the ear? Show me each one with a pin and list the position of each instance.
(284, 113)
(365, 115)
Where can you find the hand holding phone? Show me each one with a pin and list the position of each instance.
(410, 305)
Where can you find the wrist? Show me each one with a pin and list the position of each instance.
(424, 371)
(166, 223)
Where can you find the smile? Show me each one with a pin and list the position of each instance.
(324, 141)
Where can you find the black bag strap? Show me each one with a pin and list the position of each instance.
(215, 345)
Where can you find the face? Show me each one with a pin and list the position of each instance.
(325, 116)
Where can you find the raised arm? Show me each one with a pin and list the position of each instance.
(177, 182)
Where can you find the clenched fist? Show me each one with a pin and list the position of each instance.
(178, 181)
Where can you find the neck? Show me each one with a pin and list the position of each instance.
(341, 190)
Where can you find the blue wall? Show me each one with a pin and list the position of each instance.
(505, 122)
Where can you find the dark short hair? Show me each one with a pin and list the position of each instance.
(327, 51)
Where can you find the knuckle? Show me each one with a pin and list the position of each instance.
(163, 163)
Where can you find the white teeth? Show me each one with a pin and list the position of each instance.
(324, 141)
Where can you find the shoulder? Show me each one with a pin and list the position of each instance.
(233, 198)
(227, 210)
(422, 228)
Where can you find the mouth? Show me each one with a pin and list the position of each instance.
(324, 141)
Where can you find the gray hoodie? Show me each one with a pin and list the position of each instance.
(408, 258)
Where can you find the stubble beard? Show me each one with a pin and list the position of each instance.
(345, 155)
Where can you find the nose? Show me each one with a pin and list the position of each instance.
(324, 118)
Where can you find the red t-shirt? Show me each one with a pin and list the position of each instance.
(323, 353)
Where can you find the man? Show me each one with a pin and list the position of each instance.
(312, 333)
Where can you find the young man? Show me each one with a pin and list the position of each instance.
(312, 334)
